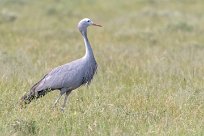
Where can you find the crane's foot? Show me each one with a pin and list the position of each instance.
(62, 109)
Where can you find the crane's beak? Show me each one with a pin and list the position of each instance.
(96, 25)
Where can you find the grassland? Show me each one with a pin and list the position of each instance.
(150, 79)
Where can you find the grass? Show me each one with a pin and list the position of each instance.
(150, 79)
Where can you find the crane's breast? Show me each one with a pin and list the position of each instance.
(89, 73)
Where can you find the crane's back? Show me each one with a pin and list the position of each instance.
(71, 75)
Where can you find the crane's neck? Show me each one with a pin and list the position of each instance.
(89, 51)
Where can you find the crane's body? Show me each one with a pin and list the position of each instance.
(69, 76)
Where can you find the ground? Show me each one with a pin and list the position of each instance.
(150, 54)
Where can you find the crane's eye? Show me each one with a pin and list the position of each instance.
(88, 21)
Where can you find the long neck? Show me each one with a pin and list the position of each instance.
(89, 51)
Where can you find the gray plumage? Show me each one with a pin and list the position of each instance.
(69, 76)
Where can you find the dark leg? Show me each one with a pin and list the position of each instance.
(65, 100)
(62, 91)
(57, 100)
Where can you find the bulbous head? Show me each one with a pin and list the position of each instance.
(84, 23)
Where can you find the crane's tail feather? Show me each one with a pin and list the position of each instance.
(33, 94)
(27, 98)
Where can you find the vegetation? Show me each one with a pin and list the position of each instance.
(150, 54)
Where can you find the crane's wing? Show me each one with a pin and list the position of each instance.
(65, 76)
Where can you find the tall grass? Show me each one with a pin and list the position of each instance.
(150, 79)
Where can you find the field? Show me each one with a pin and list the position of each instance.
(150, 78)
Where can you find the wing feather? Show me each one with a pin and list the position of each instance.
(59, 77)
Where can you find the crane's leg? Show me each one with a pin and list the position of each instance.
(62, 91)
(65, 100)
(57, 100)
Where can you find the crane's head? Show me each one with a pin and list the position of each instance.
(84, 23)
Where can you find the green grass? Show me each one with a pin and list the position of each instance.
(150, 79)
